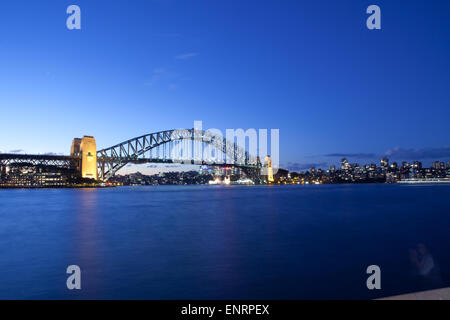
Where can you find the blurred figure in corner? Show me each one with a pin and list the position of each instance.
(425, 268)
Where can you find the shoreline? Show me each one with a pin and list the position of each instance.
(247, 185)
(54, 187)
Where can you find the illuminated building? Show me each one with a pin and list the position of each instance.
(417, 165)
(268, 163)
(345, 165)
(87, 149)
(384, 163)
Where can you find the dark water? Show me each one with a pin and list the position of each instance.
(217, 242)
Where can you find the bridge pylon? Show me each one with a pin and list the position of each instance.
(86, 148)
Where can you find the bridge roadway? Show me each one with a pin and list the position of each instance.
(62, 160)
(39, 159)
(74, 162)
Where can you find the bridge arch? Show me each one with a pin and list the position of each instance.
(140, 150)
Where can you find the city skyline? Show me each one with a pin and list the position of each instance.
(336, 89)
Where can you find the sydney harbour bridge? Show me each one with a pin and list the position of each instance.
(182, 146)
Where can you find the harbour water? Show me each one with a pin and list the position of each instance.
(219, 242)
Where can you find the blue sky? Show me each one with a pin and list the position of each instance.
(309, 68)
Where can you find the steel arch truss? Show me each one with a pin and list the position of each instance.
(159, 147)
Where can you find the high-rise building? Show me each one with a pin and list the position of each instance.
(436, 165)
(344, 164)
(417, 165)
(384, 163)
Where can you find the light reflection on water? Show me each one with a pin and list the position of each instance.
(214, 242)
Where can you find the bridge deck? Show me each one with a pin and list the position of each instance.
(13, 156)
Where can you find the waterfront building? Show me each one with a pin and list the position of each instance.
(384, 163)
(436, 165)
(268, 164)
(40, 176)
(344, 164)
(417, 165)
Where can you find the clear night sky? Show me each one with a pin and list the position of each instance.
(310, 68)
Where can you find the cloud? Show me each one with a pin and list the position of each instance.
(396, 154)
(296, 166)
(418, 154)
(17, 151)
(352, 155)
(156, 76)
(186, 56)
(163, 77)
